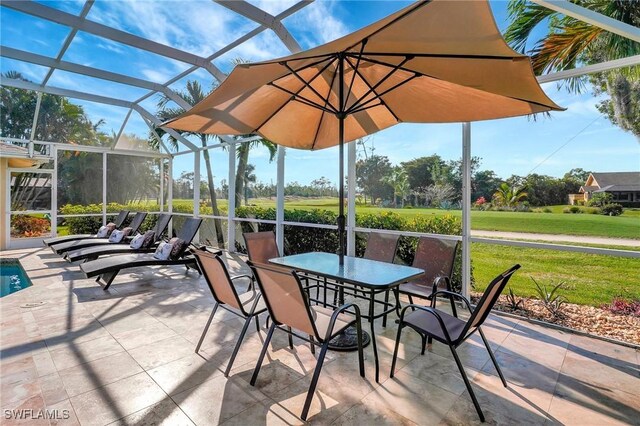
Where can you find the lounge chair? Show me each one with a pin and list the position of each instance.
(122, 216)
(107, 268)
(62, 248)
(433, 323)
(92, 253)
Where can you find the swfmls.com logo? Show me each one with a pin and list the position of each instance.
(36, 414)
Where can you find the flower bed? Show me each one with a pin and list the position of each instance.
(588, 319)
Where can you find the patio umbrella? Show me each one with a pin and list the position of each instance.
(432, 62)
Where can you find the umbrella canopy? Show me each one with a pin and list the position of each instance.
(433, 62)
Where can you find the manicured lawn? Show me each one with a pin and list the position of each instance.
(591, 279)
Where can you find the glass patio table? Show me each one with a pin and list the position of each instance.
(371, 277)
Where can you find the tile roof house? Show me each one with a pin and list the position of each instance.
(623, 186)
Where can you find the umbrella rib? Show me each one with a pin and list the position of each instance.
(394, 87)
(353, 78)
(447, 55)
(308, 84)
(287, 101)
(372, 89)
(377, 96)
(300, 98)
(315, 137)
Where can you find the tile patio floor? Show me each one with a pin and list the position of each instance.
(126, 356)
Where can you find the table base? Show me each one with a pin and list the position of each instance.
(347, 341)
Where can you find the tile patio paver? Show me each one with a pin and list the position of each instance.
(126, 357)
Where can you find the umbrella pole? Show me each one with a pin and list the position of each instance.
(341, 117)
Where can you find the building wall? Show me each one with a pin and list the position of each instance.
(3, 203)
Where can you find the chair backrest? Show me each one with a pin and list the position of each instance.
(217, 277)
(381, 247)
(188, 232)
(161, 225)
(261, 246)
(122, 216)
(488, 299)
(137, 221)
(284, 297)
(436, 256)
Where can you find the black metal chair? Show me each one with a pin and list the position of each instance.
(290, 311)
(247, 305)
(452, 331)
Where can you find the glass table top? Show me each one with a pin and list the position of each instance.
(364, 272)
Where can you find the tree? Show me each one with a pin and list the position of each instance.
(249, 177)
(508, 196)
(423, 171)
(483, 184)
(578, 175)
(193, 94)
(370, 174)
(399, 181)
(570, 42)
(242, 152)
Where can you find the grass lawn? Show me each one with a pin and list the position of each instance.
(590, 279)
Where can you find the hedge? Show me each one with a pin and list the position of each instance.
(299, 239)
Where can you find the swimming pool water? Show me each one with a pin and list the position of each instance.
(12, 277)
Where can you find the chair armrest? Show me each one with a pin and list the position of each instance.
(431, 311)
(337, 312)
(242, 276)
(454, 294)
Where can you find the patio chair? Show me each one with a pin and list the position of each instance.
(381, 247)
(452, 331)
(289, 306)
(119, 220)
(247, 305)
(92, 253)
(436, 256)
(62, 248)
(107, 268)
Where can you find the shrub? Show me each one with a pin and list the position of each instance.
(600, 199)
(575, 209)
(90, 224)
(612, 209)
(547, 210)
(624, 307)
(552, 300)
(566, 210)
(513, 302)
(23, 226)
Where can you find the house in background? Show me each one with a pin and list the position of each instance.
(623, 186)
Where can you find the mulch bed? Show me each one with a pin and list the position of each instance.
(587, 319)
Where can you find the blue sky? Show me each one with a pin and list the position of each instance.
(509, 146)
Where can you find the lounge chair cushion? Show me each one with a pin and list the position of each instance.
(137, 241)
(110, 228)
(116, 236)
(149, 237)
(102, 232)
(163, 251)
(177, 247)
(127, 231)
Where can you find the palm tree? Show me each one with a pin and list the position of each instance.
(570, 42)
(243, 161)
(508, 196)
(249, 177)
(193, 95)
(399, 181)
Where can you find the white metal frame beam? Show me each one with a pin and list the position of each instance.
(590, 17)
(95, 28)
(590, 69)
(263, 18)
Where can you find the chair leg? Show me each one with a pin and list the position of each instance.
(108, 278)
(467, 383)
(290, 338)
(314, 380)
(395, 349)
(237, 347)
(206, 327)
(262, 354)
(411, 302)
(257, 323)
(424, 343)
(360, 348)
(493, 358)
(312, 345)
(386, 301)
